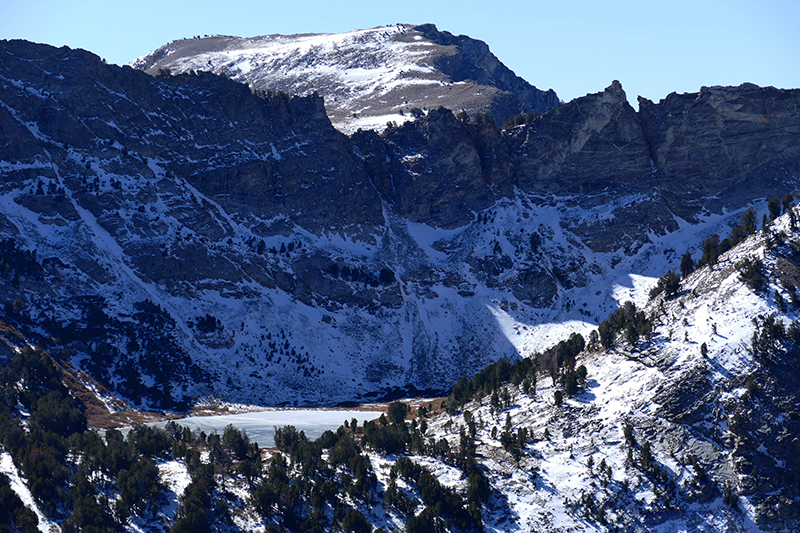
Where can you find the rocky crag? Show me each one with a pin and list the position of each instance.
(182, 236)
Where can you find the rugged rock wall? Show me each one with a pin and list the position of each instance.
(687, 155)
(438, 170)
(582, 147)
(734, 142)
(247, 152)
(471, 59)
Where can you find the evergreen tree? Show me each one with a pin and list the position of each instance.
(774, 206)
(687, 264)
(647, 456)
(397, 412)
(355, 522)
(484, 119)
(787, 201)
(710, 250)
(749, 221)
(751, 272)
(558, 398)
(669, 284)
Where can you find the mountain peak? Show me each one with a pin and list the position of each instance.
(615, 91)
(367, 77)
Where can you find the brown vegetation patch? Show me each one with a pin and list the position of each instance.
(85, 390)
(10, 333)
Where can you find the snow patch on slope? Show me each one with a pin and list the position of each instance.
(18, 485)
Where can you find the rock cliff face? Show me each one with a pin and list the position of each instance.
(597, 149)
(283, 262)
(367, 77)
(738, 141)
(437, 170)
(243, 150)
(584, 146)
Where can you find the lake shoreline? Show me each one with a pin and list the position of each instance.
(260, 425)
(116, 419)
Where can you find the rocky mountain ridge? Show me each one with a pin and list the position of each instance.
(367, 77)
(192, 238)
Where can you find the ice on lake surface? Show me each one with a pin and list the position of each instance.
(260, 426)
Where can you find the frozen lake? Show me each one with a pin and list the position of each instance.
(260, 426)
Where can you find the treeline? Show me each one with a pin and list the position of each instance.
(559, 362)
(268, 94)
(489, 381)
(260, 247)
(713, 247)
(772, 338)
(520, 119)
(481, 119)
(346, 272)
(751, 269)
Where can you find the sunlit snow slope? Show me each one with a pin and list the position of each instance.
(718, 415)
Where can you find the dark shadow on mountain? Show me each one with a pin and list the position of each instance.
(586, 396)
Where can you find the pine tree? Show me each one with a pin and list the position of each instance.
(687, 264)
(710, 250)
(558, 398)
(774, 206)
(749, 221)
(787, 201)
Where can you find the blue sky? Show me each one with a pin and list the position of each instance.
(572, 46)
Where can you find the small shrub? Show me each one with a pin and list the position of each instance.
(751, 272)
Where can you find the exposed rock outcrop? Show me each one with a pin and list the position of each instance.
(254, 156)
(729, 143)
(582, 147)
(438, 170)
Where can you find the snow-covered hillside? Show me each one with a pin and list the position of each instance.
(179, 237)
(684, 394)
(368, 77)
(271, 348)
(692, 427)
